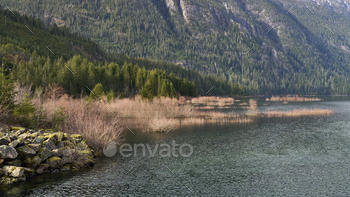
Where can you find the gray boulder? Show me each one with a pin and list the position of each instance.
(55, 163)
(16, 162)
(25, 152)
(14, 144)
(76, 138)
(13, 171)
(26, 138)
(44, 153)
(13, 138)
(56, 152)
(43, 168)
(49, 144)
(32, 162)
(31, 131)
(7, 152)
(38, 140)
(4, 141)
(29, 172)
(35, 147)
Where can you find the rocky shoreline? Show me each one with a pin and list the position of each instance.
(25, 153)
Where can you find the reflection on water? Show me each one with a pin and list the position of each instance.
(270, 157)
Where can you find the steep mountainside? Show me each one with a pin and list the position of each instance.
(272, 46)
(35, 55)
(340, 6)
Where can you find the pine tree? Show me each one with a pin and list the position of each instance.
(97, 92)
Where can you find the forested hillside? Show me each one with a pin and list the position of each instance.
(35, 55)
(290, 48)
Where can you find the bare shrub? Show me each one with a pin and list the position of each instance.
(252, 109)
(162, 124)
(87, 119)
(53, 91)
(138, 108)
(213, 100)
(22, 92)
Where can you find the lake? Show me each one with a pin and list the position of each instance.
(269, 157)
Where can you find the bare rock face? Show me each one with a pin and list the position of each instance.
(170, 4)
(340, 6)
(7, 152)
(184, 10)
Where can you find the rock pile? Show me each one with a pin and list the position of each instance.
(26, 152)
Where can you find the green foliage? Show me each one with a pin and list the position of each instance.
(7, 93)
(97, 92)
(57, 119)
(110, 95)
(32, 64)
(147, 91)
(23, 113)
(20, 41)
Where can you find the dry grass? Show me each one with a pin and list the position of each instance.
(88, 119)
(212, 100)
(252, 109)
(194, 121)
(292, 99)
(161, 114)
(162, 124)
(297, 113)
(138, 108)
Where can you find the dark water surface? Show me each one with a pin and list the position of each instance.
(269, 157)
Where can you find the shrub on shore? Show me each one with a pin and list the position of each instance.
(63, 113)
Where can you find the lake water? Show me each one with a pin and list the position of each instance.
(269, 157)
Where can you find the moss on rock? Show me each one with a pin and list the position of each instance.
(68, 144)
(32, 162)
(17, 128)
(15, 162)
(59, 135)
(66, 168)
(76, 138)
(25, 152)
(55, 162)
(13, 171)
(44, 153)
(7, 180)
(43, 168)
(29, 172)
(49, 144)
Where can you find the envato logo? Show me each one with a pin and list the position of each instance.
(164, 150)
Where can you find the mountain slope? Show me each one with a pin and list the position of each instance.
(26, 57)
(289, 52)
(31, 34)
